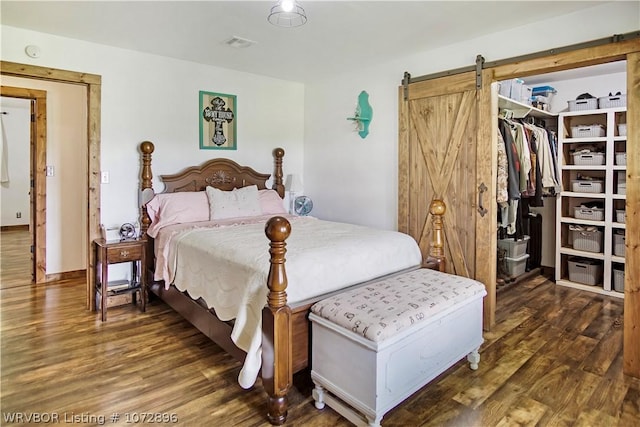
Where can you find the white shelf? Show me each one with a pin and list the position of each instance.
(568, 200)
(598, 289)
(521, 110)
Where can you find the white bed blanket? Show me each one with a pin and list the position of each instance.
(228, 266)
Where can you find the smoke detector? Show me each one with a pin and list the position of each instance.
(239, 42)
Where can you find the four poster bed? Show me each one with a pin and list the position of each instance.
(209, 259)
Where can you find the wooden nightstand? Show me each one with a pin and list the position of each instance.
(113, 252)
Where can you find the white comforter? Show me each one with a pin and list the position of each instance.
(227, 265)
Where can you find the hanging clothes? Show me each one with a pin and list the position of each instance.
(509, 210)
(502, 195)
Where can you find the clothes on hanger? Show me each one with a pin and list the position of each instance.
(531, 166)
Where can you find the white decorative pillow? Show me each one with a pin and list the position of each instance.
(236, 203)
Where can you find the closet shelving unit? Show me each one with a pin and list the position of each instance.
(521, 110)
(568, 200)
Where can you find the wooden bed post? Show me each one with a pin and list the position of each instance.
(146, 183)
(436, 247)
(278, 154)
(277, 355)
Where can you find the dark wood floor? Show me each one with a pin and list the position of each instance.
(553, 359)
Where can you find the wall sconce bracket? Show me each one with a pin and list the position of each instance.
(363, 114)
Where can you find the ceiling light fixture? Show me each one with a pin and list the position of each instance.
(287, 13)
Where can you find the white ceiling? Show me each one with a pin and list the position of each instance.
(338, 35)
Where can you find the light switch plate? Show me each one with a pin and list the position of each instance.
(104, 178)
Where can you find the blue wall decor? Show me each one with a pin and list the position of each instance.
(363, 114)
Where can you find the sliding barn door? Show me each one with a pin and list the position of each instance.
(445, 152)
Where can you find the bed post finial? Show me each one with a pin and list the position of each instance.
(277, 356)
(146, 184)
(436, 247)
(278, 185)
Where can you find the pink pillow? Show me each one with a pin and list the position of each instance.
(271, 203)
(177, 208)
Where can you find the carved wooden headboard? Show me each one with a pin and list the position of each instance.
(224, 174)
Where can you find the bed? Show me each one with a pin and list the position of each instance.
(243, 303)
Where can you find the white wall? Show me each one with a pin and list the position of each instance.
(355, 180)
(148, 97)
(14, 194)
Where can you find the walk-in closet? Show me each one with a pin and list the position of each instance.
(561, 187)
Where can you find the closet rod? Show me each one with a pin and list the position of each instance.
(491, 64)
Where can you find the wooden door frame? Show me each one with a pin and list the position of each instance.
(93, 84)
(37, 166)
(629, 51)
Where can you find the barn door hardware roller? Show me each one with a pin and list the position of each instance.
(405, 84)
(479, 66)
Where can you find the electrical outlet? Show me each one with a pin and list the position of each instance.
(104, 178)
(18, 214)
(50, 170)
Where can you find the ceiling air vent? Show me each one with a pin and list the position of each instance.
(239, 42)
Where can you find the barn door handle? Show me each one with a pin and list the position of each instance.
(482, 188)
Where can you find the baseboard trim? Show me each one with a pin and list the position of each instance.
(19, 227)
(66, 275)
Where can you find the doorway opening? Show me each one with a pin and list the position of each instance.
(92, 83)
(36, 177)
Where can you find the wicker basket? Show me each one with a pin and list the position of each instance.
(618, 280)
(589, 241)
(583, 104)
(621, 216)
(586, 186)
(583, 212)
(612, 101)
(587, 131)
(588, 159)
(585, 271)
(621, 159)
(622, 129)
(618, 244)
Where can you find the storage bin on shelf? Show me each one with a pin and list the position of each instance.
(587, 239)
(516, 90)
(612, 101)
(546, 91)
(587, 131)
(586, 271)
(622, 129)
(583, 104)
(621, 159)
(618, 243)
(514, 248)
(621, 216)
(618, 280)
(516, 266)
(622, 184)
(587, 186)
(541, 97)
(588, 159)
(585, 212)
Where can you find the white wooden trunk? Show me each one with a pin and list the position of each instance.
(372, 378)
